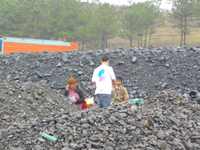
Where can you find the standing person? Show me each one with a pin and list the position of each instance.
(119, 96)
(103, 77)
(74, 93)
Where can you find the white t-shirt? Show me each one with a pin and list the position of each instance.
(103, 76)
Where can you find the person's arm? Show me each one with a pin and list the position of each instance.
(112, 76)
(93, 78)
(66, 92)
(114, 83)
(67, 87)
(81, 96)
(123, 102)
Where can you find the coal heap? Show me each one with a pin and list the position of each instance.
(167, 121)
(31, 101)
(22, 105)
(144, 71)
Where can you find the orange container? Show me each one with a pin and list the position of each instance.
(18, 45)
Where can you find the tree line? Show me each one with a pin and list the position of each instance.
(92, 23)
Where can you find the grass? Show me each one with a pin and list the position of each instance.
(165, 36)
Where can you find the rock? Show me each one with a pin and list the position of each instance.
(59, 64)
(164, 85)
(92, 64)
(1, 135)
(98, 135)
(66, 148)
(134, 59)
(38, 147)
(80, 72)
(17, 148)
(167, 65)
(112, 119)
(122, 114)
(161, 135)
(41, 139)
(162, 144)
(120, 63)
(65, 58)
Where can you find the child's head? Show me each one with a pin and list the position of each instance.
(118, 80)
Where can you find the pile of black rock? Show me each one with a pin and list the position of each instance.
(22, 106)
(167, 121)
(31, 101)
(144, 71)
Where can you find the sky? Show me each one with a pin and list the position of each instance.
(165, 4)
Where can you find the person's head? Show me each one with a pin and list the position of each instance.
(118, 80)
(105, 60)
(72, 83)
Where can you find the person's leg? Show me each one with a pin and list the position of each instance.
(106, 99)
(99, 101)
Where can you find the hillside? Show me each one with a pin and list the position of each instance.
(165, 36)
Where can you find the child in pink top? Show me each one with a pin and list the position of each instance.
(74, 93)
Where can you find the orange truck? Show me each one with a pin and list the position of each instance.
(17, 45)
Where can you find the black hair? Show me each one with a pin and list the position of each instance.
(119, 77)
(105, 58)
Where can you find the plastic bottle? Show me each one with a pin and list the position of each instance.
(48, 137)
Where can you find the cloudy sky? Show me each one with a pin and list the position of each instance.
(165, 4)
